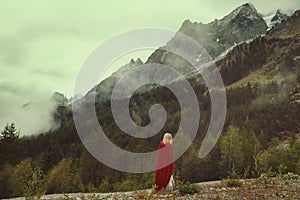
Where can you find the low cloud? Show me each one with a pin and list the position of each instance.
(32, 118)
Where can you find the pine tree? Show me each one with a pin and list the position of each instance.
(10, 149)
(232, 156)
(9, 133)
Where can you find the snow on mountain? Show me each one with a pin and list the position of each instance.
(275, 18)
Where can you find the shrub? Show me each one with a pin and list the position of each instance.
(125, 185)
(291, 176)
(142, 195)
(266, 177)
(187, 188)
(104, 186)
(232, 182)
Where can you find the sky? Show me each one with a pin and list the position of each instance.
(44, 43)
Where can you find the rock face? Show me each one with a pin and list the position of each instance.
(241, 24)
(59, 99)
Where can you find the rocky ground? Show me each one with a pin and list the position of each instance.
(249, 189)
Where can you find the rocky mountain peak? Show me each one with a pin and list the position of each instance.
(242, 24)
(275, 18)
(279, 17)
(59, 98)
(293, 20)
(248, 6)
(245, 11)
(125, 68)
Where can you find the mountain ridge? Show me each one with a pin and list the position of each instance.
(243, 23)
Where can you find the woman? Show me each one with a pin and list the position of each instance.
(164, 163)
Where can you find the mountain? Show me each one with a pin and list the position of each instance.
(104, 90)
(56, 99)
(273, 58)
(280, 44)
(59, 99)
(262, 88)
(242, 24)
(262, 83)
(279, 17)
(275, 18)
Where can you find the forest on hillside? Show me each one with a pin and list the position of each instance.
(260, 135)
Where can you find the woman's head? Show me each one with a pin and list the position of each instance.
(167, 139)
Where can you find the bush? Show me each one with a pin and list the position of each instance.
(232, 182)
(104, 186)
(125, 185)
(291, 176)
(142, 195)
(266, 177)
(187, 188)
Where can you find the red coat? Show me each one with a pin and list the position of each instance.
(164, 156)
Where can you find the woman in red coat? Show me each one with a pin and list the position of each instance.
(164, 163)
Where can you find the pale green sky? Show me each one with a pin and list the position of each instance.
(43, 43)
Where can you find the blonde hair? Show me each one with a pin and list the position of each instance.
(167, 138)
